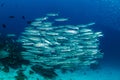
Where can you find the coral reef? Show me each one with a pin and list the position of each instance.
(10, 51)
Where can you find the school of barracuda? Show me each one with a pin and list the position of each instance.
(63, 46)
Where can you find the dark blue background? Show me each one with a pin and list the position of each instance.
(106, 15)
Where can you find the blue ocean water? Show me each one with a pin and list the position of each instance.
(105, 13)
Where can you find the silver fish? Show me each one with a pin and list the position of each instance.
(61, 19)
(52, 14)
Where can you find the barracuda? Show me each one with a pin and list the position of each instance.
(40, 44)
(90, 24)
(47, 41)
(71, 31)
(61, 19)
(52, 14)
(99, 34)
(41, 19)
(36, 39)
(72, 27)
(44, 28)
(63, 45)
(86, 30)
(31, 34)
(29, 43)
(88, 33)
(27, 47)
(47, 23)
(52, 33)
(32, 31)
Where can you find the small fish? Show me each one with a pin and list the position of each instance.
(23, 17)
(2, 4)
(29, 22)
(4, 25)
(11, 16)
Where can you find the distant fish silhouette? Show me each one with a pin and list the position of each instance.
(11, 16)
(23, 17)
(29, 22)
(4, 25)
(2, 4)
